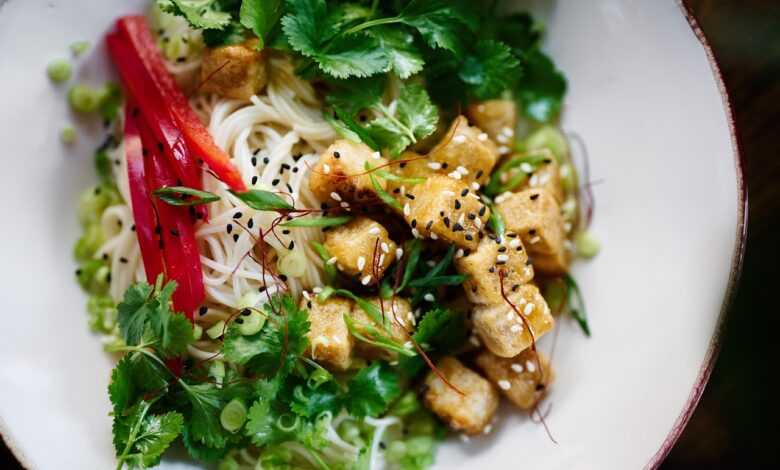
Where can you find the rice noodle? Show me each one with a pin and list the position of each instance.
(260, 135)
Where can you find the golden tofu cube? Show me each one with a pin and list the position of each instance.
(340, 177)
(469, 412)
(465, 152)
(536, 216)
(501, 327)
(519, 378)
(330, 342)
(412, 165)
(398, 324)
(547, 177)
(236, 71)
(362, 248)
(445, 208)
(495, 261)
(498, 118)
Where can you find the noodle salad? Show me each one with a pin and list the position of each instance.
(327, 234)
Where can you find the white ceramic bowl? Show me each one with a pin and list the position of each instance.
(670, 209)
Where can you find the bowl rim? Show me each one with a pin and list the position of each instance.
(737, 257)
(713, 350)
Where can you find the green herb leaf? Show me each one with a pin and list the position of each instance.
(576, 304)
(413, 249)
(542, 88)
(324, 254)
(263, 200)
(184, 196)
(405, 58)
(207, 401)
(371, 335)
(438, 21)
(260, 16)
(311, 402)
(372, 390)
(489, 69)
(383, 195)
(201, 14)
(440, 331)
(324, 221)
(140, 438)
(436, 281)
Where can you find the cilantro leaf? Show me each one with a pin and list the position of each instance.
(261, 421)
(417, 112)
(201, 14)
(489, 69)
(141, 438)
(355, 94)
(199, 451)
(260, 16)
(133, 312)
(518, 31)
(372, 389)
(207, 402)
(438, 21)
(239, 348)
(440, 330)
(405, 58)
(542, 88)
(311, 402)
(120, 390)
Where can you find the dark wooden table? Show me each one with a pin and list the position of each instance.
(737, 423)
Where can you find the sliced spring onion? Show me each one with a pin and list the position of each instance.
(84, 99)
(384, 195)
(250, 323)
(292, 263)
(401, 179)
(411, 263)
(436, 281)
(184, 196)
(217, 371)
(327, 291)
(324, 221)
(79, 47)
(68, 135)
(216, 330)
(551, 138)
(330, 270)
(555, 295)
(576, 303)
(59, 70)
(197, 332)
(263, 200)
(587, 244)
(376, 338)
(496, 222)
(233, 415)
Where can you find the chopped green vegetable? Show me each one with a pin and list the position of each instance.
(372, 390)
(263, 200)
(233, 415)
(84, 99)
(250, 323)
(205, 14)
(576, 303)
(68, 135)
(184, 196)
(292, 263)
(216, 330)
(375, 337)
(550, 138)
(59, 70)
(261, 16)
(587, 245)
(330, 270)
(324, 221)
(79, 47)
(383, 195)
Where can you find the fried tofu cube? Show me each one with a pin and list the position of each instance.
(412, 165)
(445, 208)
(495, 258)
(501, 328)
(398, 324)
(470, 412)
(236, 71)
(518, 378)
(536, 216)
(357, 244)
(465, 152)
(547, 176)
(498, 118)
(330, 342)
(339, 176)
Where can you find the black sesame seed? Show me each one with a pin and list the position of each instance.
(410, 196)
(472, 216)
(511, 235)
(266, 160)
(246, 312)
(238, 215)
(469, 237)
(308, 304)
(285, 232)
(297, 157)
(441, 213)
(295, 169)
(254, 161)
(501, 249)
(229, 228)
(78, 272)
(482, 210)
(250, 223)
(396, 190)
(123, 260)
(474, 289)
(457, 204)
(414, 223)
(534, 196)
(235, 237)
(203, 310)
(254, 180)
(291, 245)
(457, 227)
(261, 288)
(289, 188)
(447, 222)
(444, 166)
(515, 287)
(108, 278)
(481, 234)
(532, 232)
(286, 166)
(275, 182)
(429, 225)
(105, 256)
(336, 155)
(283, 277)
(466, 252)
(402, 165)
(464, 192)
(539, 387)
(479, 174)
(132, 228)
(492, 269)
(382, 445)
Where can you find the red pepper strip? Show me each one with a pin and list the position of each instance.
(168, 137)
(141, 202)
(180, 250)
(136, 31)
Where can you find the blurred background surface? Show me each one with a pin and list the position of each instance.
(737, 422)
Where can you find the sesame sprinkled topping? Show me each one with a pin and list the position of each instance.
(399, 253)
(415, 233)
(517, 368)
(503, 149)
(454, 175)
(482, 210)
(534, 240)
(530, 366)
(504, 385)
(526, 167)
(459, 253)
(515, 328)
(325, 168)
(361, 262)
(374, 231)
(457, 204)
(502, 258)
(366, 279)
(434, 165)
(384, 246)
(457, 227)
(407, 209)
(462, 170)
(344, 204)
(335, 196)
(475, 186)
(429, 297)
(376, 155)
(529, 308)
(482, 137)
(332, 260)
(434, 236)
(275, 182)
(459, 139)
(448, 193)
(336, 155)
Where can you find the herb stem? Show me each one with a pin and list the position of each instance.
(372, 23)
(386, 112)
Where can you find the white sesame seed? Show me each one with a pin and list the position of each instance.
(514, 243)
(534, 240)
(474, 341)
(502, 139)
(464, 438)
(526, 167)
(462, 170)
(475, 186)
(385, 247)
(408, 345)
(530, 366)
(332, 260)
(429, 297)
(366, 280)
(376, 155)
(415, 233)
(306, 295)
(374, 230)
(459, 253)
(381, 260)
(529, 308)
(407, 209)
(544, 179)
(503, 149)
(335, 196)
(567, 226)
(434, 165)
(454, 175)
(507, 131)
(502, 258)
(482, 137)
(344, 204)
(475, 195)
(459, 139)
(534, 181)
(325, 168)
(565, 170)
(517, 368)
(434, 236)
(528, 271)
(504, 384)
(448, 193)
(487, 429)
(393, 363)
(515, 328)
(478, 223)
(462, 218)
(431, 263)
(317, 290)
(399, 253)
(361, 262)
(510, 316)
